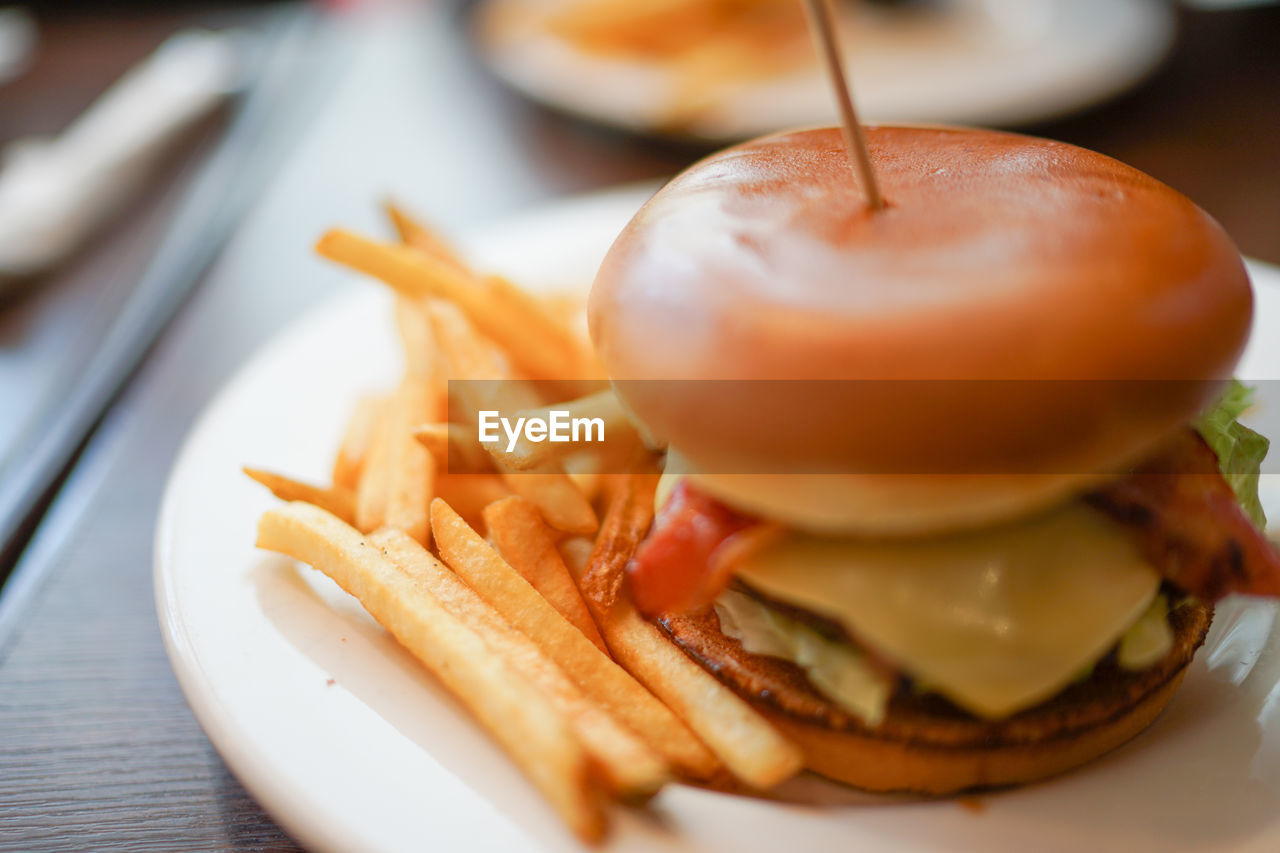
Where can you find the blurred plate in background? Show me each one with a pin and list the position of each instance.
(720, 70)
(18, 38)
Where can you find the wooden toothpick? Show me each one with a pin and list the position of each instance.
(822, 22)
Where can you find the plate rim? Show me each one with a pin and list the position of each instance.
(283, 803)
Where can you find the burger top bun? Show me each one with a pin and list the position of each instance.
(1023, 314)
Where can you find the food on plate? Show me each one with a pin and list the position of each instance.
(630, 769)
(524, 540)
(356, 441)
(395, 482)
(532, 339)
(497, 582)
(338, 500)
(501, 622)
(445, 441)
(750, 748)
(951, 487)
(671, 29)
(548, 486)
(511, 706)
(707, 46)
(702, 49)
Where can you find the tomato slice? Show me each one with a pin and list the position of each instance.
(675, 569)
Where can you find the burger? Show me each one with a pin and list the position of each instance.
(950, 486)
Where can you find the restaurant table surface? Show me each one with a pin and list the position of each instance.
(98, 750)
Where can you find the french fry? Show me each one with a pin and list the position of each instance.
(468, 354)
(627, 523)
(454, 442)
(630, 769)
(561, 503)
(436, 437)
(750, 747)
(584, 469)
(599, 677)
(516, 529)
(513, 709)
(413, 469)
(569, 308)
(375, 473)
(543, 324)
(489, 304)
(356, 442)
(338, 500)
(421, 355)
(469, 494)
(548, 487)
(576, 553)
(396, 484)
(413, 233)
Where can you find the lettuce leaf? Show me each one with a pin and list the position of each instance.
(1240, 450)
(1149, 639)
(837, 669)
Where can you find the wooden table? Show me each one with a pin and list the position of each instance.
(97, 747)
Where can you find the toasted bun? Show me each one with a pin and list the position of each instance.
(886, 766)
(925, 745)
(1043, 314)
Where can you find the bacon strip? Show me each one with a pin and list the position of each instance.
(1190, 525)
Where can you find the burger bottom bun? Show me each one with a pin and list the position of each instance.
(867, 762)
(925, 744)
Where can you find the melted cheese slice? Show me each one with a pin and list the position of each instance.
(996, 620)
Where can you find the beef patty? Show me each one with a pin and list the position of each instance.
(928, 718)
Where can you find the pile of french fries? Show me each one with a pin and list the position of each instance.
(491, 565)
(708, 47)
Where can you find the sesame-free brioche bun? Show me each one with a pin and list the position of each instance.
(1023, 319)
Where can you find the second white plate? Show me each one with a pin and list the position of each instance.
(977, 62)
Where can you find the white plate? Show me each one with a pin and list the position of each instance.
(980, 62)
(351, 746)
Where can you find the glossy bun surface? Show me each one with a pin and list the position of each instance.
(1022, 306)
